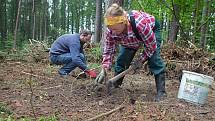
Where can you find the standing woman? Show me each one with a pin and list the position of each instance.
(146, 32)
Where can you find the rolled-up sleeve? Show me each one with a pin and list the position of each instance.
(109, 51)
(149, 40)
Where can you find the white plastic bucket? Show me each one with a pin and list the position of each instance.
(194, 87)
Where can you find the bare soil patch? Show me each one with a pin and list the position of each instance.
(73, 99)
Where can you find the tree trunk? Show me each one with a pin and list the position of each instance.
(72, 21)
(28, 19)
(119, 2)
(77, 21)
(98, 27)
(3, 23)
(68, 16)
(174, 24)
(45, 20)
(195, 17)
(55, 16)
(12, 15)
(63, 15)
(40, 22)
(16, 27)
(81, 8)
(34, 20)
(204, 26)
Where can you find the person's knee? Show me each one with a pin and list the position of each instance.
(156, 64)
(53, 60)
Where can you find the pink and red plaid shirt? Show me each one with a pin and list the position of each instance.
(144, 24)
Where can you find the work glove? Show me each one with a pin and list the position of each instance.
(91, 73)
(101, 78)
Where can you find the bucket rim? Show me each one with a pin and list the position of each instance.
(184, 71)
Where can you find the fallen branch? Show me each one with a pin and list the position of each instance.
(58, 86)
(202, 111)
(14, 63)
(156, 103)
(180, 61)
(36, 75)
(66, 98)
(211, 96)
(106, 114)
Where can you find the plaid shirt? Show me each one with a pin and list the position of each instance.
(145, 24)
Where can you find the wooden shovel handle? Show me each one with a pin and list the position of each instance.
(115, 78)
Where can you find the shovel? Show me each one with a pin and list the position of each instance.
(110, 83)
(101, 82)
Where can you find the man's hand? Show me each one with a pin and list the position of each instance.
(91, 73)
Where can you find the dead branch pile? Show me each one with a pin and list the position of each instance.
(38, 51)
(2, 56)
(195, 60)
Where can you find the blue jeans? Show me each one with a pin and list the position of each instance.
(66, 61)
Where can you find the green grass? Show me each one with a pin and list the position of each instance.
(43, 118)
(94, 65)
(4, 109)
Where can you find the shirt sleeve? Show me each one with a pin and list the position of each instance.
(149, 40)
(109, 50)
(76, 57)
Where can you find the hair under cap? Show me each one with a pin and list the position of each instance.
(114, 15)
(114, 10)
(85, 32)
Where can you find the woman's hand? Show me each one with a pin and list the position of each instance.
(102, 77)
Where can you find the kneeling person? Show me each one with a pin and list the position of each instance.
(67, 50)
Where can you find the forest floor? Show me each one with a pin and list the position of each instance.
(35, 89)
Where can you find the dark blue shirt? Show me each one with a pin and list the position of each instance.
(69, 43)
